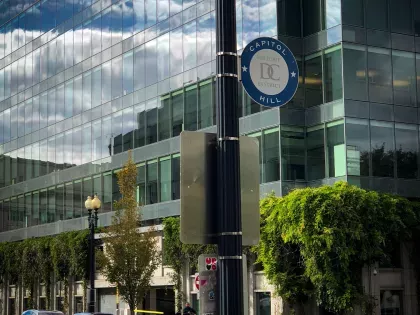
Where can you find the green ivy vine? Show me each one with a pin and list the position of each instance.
(32, 261)
(315, 242)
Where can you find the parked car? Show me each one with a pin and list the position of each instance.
(40, 312)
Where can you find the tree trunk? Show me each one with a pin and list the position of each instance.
(132, 308)
(179, 293)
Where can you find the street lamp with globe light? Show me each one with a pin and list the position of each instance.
(90, 204)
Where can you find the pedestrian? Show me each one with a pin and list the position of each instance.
(188, 310)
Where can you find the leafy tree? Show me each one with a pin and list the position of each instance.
(62, 261)
(315, 241)
(177, 255)
(32, 261)
(30, 270)
(43, 247)
(130, 257)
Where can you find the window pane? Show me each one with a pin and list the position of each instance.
(313, 81)
(263, 303)
(68, 50)
(78, 44)
(107, 189)
(176, 174)
(97, 187)
(332, 13)
(87, 39)
(43, 207)
(51, 155)
(416, 9)
(141, 184)
(163, 57)
(401, 18)
(315, 152)
(106, 137)
(355, 79)
(86, 143)
(175, 6)
(139, 80)
(87, 90)
(139, 18)
(336, 149)
(106, 29)
(116, 195)
(357, 131)
(68, 110)
(177, 112)
(151, 63)
(289, 18)
(406, 140)
(21, 212)
(382, 148)
(271, 155)
(59, 155)
(379, 71)
(128, 73)
(165, 179)
(96, 34)
(60, 103)
(293, 153)
(77, 146)
(21, 120)
(117, 132)
(152, 183)
(140, 121)
(68, 201)
(258, 137)
(332, 74)
(205, 115)
(117, 83)
(164, 117)
(51, 107)
(311, 16)
(204, 29)
(51, 206)
(68, 153)
(150, 10)
(77, 198)
(151, 119)
(377, 14)
(392, 302)
(106, 82)
(43, 157)
(191, 107)
(96, 86)
(268, 21)
(352, 11)
(128, 127)
(404, 78)
(190, 45)
(176, 56)
(127, 19)
(35, 209)
(78, 95)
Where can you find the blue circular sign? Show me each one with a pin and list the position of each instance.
(270, 74)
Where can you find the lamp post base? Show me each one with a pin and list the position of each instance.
(91, 302)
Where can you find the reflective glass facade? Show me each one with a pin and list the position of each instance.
(83, 81)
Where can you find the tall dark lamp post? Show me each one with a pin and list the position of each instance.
(92, 204)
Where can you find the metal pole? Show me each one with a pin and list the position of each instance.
(91, 219)
(230, 279)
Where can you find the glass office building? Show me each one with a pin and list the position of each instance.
(83, 81)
